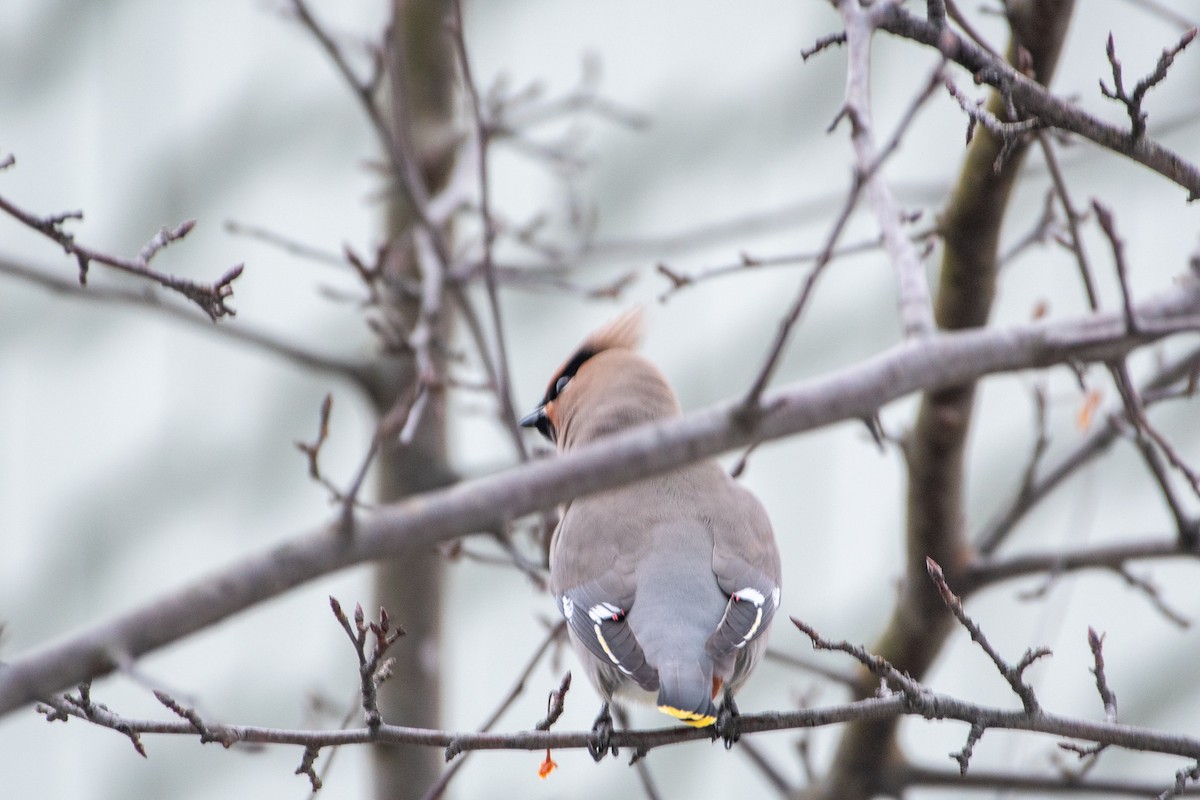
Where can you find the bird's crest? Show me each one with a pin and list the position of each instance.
(623, 332)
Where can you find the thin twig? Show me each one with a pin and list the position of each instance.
(747, 262)
(974, 35)
(1073, 220)
(211, 298)
(1182, 777)
(152, 300)
(878, 666)
(1013, 673)
(993, 534)
(1109, 226)
(373, 670)
(1107, 697)
(1147, 437)
(553, 636)
(1133, 102)
(483, 136)
(1010, 134)
(1164, 11)
(284, 243)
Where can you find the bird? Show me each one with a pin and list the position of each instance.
(668, 584)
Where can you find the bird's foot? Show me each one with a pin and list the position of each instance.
(602, 730)
(726, 726)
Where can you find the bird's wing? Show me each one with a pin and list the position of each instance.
(593, 563)
(746, 564)
(596, 612)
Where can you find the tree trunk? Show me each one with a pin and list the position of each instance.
(421, 87)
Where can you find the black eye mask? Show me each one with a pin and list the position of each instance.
(537, 418)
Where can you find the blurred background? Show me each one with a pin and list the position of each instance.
(139, 451)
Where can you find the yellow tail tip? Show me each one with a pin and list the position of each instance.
(689, 717)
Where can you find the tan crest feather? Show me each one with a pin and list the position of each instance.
(623, 332)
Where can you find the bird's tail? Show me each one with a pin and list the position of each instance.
(685, 691)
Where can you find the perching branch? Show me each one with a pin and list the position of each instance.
(912, 699)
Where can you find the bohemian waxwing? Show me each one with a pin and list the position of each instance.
(668, 584)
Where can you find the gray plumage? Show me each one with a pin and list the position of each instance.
(668, 584)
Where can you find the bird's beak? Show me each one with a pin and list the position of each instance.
(532, 419)
(538, 418)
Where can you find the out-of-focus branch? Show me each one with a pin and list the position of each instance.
(553, 636)
(901, 777)
(154, 301)
(211, 298)
(916, 309)
(482, 141)
(985, 572)
(1031, 493)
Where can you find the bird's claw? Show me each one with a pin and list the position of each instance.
(602, 730)
(726, 726)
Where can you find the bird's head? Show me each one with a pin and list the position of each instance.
(603, 387)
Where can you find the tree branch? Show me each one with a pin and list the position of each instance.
(913, 699)
(1031, 98)
(211, 298)
(155, 301)
(484, 504)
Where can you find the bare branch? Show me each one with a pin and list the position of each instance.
(1109, 226)
(919, 702)
(1151, 592)
(287, 245)
(1013, 673)
(1073, 220)
(1097, 442)
(916, 308)
(1133, 102)
(372, 668)
(192, 716)
(483, 135)
(1181, 779)
(854, 392)
(1165, 12)
(152, 300)
(987, 571)
(750, 263)
(824, 43)
(1010, 133)
(1034, 100)
(1150, 442)
(877, 665)
(1096, 644)
(312, 452)
(306, 767)
(903, 776)
(211, 298)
